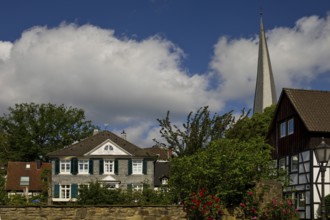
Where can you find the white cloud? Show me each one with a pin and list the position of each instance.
(122, 82)
(129, 83)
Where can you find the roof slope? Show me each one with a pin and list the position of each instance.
(16, 170)
(88, 144)
(161, 152)
(313, 107)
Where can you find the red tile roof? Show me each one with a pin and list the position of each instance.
(16, 170)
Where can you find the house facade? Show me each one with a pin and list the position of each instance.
(300, 123)
(27, 178)
(103, 157)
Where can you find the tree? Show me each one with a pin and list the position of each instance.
(252, 127)
(228, 167)
(199, 130)
(32, 130)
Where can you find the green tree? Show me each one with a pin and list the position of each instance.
(228, 167)
(199, 130)
(95, 194)
(32, 130)
(3, 193)
(256, 126)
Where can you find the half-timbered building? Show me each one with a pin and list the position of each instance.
(301, 121)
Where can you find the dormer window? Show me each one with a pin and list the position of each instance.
(108, 148)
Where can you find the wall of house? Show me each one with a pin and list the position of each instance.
(93, 213)
(122, 176)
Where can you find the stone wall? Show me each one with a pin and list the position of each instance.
(92, 213)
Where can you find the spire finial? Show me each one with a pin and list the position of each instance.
(261, 12)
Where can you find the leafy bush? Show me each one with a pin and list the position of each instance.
(202, 205)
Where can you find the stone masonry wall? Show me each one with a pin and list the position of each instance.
(92, 213)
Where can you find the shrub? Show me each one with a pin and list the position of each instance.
(203, 206)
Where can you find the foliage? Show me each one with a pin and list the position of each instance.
(280, 210)
(227, 168)
(96, 194)
(3, 193)
(199, 130)
(202, 205)
(45, 179)
(32, 130)
(256, 126)
(249, 206)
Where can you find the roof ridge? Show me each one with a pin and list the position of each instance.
(306, 90)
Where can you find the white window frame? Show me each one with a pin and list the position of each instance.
(83, 166)
(290, 126)
(164, 181)
(24, 181)
(294, 163)
(65, 166)
(137, 187)
(65, 191)
(300, 200)
(109, 167)
(137, 166)
(283, 129)
(282, 163)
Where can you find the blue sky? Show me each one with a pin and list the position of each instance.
(127, 62)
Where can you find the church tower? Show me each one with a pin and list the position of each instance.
(265, 93)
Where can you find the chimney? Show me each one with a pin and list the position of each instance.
(96, 131)
(123, 135)
(38, 162)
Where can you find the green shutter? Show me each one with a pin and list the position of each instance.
(57, 166)
(74, 166)
(74, 190)
(145, 166)
(116, 167)
(129, 166)
(56, 191)
(101, 167)
(129, 187)
(91, 166)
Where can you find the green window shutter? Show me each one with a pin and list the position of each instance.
(145, 166)
(74, 166)
(101, 166)
(74, 190)
(91, 166)
(57, 166)
(116, 167)
(56, 191)
(129, 187)
(129, 166)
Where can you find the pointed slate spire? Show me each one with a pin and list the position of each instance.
(265, 93)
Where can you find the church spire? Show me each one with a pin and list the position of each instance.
(265, 93)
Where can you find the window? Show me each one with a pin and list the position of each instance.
(25, 180)
(110, 185)
(108, 148)
(294, 163)
(283, 129)
(65, 166)
(281, 164)
(83, 166)
(137, 187)
(65, 192)
(287, 127)
(290, 126)
(164, 181)
(109, 167)
(137, 166)
(300, 200)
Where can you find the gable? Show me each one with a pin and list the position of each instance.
(108, 148)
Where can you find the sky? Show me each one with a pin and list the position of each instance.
(127, 62)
